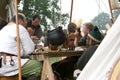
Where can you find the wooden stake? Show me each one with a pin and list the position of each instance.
(18, 41)
(60, 13)
(112, 20)
(71, 11)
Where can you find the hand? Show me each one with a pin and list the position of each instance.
(35, 39)
(42, 38)
(76, 33)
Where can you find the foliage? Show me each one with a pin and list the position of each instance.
(104, 18)
(116, 13)
(49, 11)
(101, 20)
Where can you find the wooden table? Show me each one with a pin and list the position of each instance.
(47, 73)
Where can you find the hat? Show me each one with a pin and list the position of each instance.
(95, 34)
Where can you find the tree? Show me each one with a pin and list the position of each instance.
(116, 13)
(32, 7)
(49, 11)
(101, 20)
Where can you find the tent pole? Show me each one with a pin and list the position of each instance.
(112, 17)
(18, 40)
(60, 13)
(71, 10)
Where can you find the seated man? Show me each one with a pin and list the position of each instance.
(9, 52)
(35, 22)
(93, 40)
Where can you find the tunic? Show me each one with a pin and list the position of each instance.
(8, 44)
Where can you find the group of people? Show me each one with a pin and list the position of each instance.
(30, 32)
(89, 37)
(8, 47)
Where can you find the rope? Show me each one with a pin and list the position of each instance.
(105, 5)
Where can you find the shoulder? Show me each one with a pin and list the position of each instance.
(92, 48)
(22, 28)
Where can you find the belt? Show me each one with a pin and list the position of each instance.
(7, 54)
(4, 58)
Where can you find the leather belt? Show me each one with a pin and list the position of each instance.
(7, 54)
(4, 58)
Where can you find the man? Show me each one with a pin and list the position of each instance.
(9, 52)
(86, 28)
(93, 40)
(36, 26)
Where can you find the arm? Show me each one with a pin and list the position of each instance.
(83, 60)
(38, 32)
(27, 43)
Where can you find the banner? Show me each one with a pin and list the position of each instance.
(102, 63)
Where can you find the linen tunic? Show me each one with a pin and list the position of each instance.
(8, 44)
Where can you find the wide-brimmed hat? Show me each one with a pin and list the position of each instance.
(95, 35)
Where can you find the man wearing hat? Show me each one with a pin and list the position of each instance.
(93, 40)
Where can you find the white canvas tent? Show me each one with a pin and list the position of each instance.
(102, 62)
